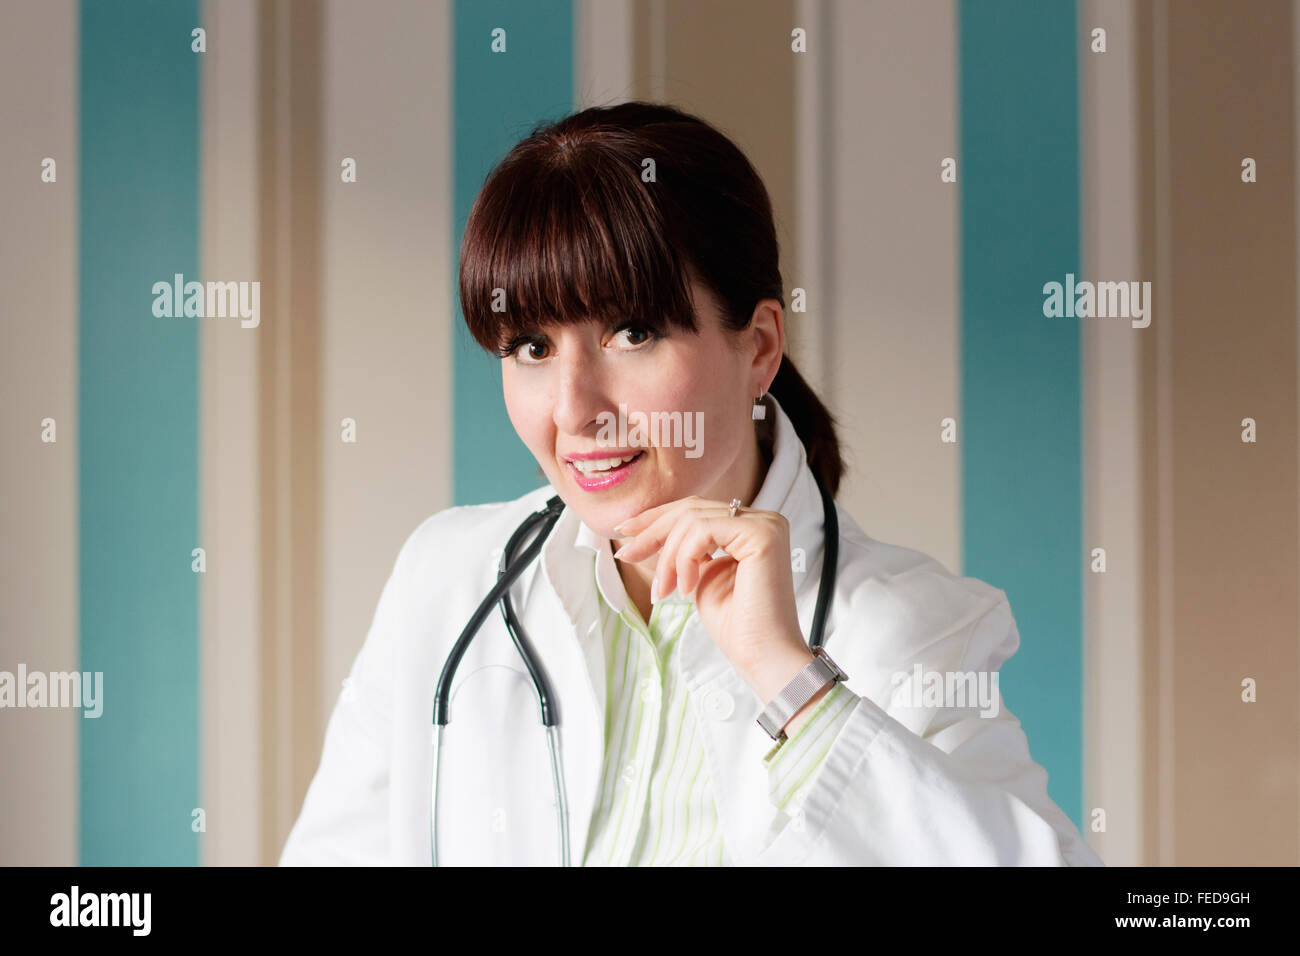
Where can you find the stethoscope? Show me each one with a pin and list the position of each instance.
(507, 571)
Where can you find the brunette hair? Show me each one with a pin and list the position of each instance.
(566, 226)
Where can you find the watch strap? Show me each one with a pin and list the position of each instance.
(805, 685)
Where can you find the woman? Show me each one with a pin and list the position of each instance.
(623, 263)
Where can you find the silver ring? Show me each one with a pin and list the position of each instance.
(734, 506)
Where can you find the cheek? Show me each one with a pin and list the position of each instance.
(711, 438)
(528, 416)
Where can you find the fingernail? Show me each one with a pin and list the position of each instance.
(619, 552)
(654, 590)
(618, 528)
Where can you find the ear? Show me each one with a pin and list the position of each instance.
(767, 330)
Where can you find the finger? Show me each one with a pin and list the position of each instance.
(693, 544)
(651, 538)
(666, 566)
(645, 516)
(649, 515)
(648, 539)
(739, 537)
(693, 552)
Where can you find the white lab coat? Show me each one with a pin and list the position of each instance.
(901, 785)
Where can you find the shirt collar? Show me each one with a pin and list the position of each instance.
(788, 462)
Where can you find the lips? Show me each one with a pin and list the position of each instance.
(594, 474)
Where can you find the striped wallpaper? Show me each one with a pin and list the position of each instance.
(924, 304)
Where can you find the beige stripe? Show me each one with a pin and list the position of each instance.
(687, 52)
(604, 46)
(1229, 522)
(708, 45)
(814, 256)
(1164, 444)
(289, 227)
(38, 380)
(1112, 425)
(231, 635)
(1295, 120)
(1157, 567)
(893, 289)
(387, 284)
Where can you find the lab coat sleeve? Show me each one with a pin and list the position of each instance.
(963, 792)
(345, 816)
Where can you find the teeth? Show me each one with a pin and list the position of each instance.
(601, 464)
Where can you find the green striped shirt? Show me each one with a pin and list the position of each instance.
(656, 804)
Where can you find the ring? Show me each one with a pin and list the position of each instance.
(734, 506)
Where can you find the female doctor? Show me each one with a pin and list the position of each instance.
(679, 709)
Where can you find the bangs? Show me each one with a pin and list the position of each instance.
(568, 237)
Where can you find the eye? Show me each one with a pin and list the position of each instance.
(637, 335)
(531, 345)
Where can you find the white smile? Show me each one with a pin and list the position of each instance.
(597, 465)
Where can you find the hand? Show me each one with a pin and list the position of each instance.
(745, 598)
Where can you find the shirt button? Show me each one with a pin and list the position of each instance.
(649, 690)
(629, 773)
(719, 705)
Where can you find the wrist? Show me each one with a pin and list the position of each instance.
(801, 671)
(770, 675)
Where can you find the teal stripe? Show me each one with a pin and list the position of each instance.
(1020, 391)
(499, 97)
(138, 434)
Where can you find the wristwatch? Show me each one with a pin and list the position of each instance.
(819, 672)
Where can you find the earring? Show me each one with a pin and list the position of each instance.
(760, 410)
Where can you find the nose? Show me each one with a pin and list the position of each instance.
(579, 391)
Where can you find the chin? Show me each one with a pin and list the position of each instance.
(601, 518)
